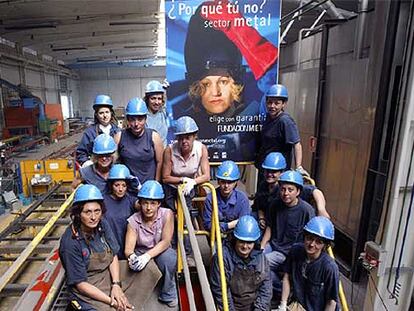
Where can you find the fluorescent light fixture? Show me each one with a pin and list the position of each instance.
(131, 23)
(69, 49)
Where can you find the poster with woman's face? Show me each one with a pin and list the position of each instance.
(221, 58)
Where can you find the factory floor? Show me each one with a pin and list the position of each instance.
(44, 151)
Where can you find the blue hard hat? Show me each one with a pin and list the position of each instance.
(136, 107)
(228, 170)
(104, 144)
(102, 101)
(185, 125)
(247, 229)
(87, 193)
(292, 177)
(119, 171)
(322, 227)
(277, 90)
(274, 161)
(151, 189)
(154, 87)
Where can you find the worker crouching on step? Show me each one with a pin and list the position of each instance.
(311, 273)
(149, 235)
(249, 285)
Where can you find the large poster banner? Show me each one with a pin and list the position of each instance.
(221, 58)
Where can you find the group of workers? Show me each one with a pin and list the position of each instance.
(124, 214)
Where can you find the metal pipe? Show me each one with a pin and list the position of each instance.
(217, 233)
(315, 22)
(359, 33)
(202, 275)
(320, 102)
(187, 277)
(304, 12)
(288, 27)
(9, 274)
(296, 10)
(332, 10)
(300, 42)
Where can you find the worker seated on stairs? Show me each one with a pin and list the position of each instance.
(96, 279)
(311, 275)
(232, 203)
(149, 235)
(249, 285)
(268, 190)
(285, 224)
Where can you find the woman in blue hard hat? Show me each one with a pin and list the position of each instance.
(149, 235)
(279, 132)
(104, 148)
(96, 279)
(232, 203)
(311, 275)
(120, 205)
(247, 271)
(285, 222)
(185, 162)
(105, 123)
(156, 117)
(140, 148)
(268, 190)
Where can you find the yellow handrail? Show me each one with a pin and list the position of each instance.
(342, 296)
(216, 234)
(18, 263)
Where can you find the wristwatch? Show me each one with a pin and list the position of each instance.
(117, 283)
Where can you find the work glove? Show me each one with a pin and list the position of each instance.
(87, 163)
(282, 306)
(133, 261)
(302, 171)
(143, 261)
(189, 184)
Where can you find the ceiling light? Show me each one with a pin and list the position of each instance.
(131, 23)
(69, 49)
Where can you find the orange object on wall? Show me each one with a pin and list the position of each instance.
(54, 112)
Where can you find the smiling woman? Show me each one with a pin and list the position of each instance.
(105, 123)
(96, 278)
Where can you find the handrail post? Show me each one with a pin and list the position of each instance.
(217, 233)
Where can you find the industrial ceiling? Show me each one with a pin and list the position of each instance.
(92, 31)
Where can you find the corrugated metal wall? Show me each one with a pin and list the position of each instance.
(347, 121)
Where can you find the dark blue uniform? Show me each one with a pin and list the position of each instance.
(84, 150)
(279, 135)
(117, 213)
(314, 283)
(138, 154)
(90, 176)
(232, 208)
(287, 224)
(75, 252)
(264, 200)
(248, 280)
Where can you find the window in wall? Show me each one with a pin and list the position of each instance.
(66, 103)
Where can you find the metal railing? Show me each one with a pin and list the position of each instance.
(183, 216)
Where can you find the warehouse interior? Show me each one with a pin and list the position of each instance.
(344, 60)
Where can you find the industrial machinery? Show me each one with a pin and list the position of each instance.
(26, 114)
